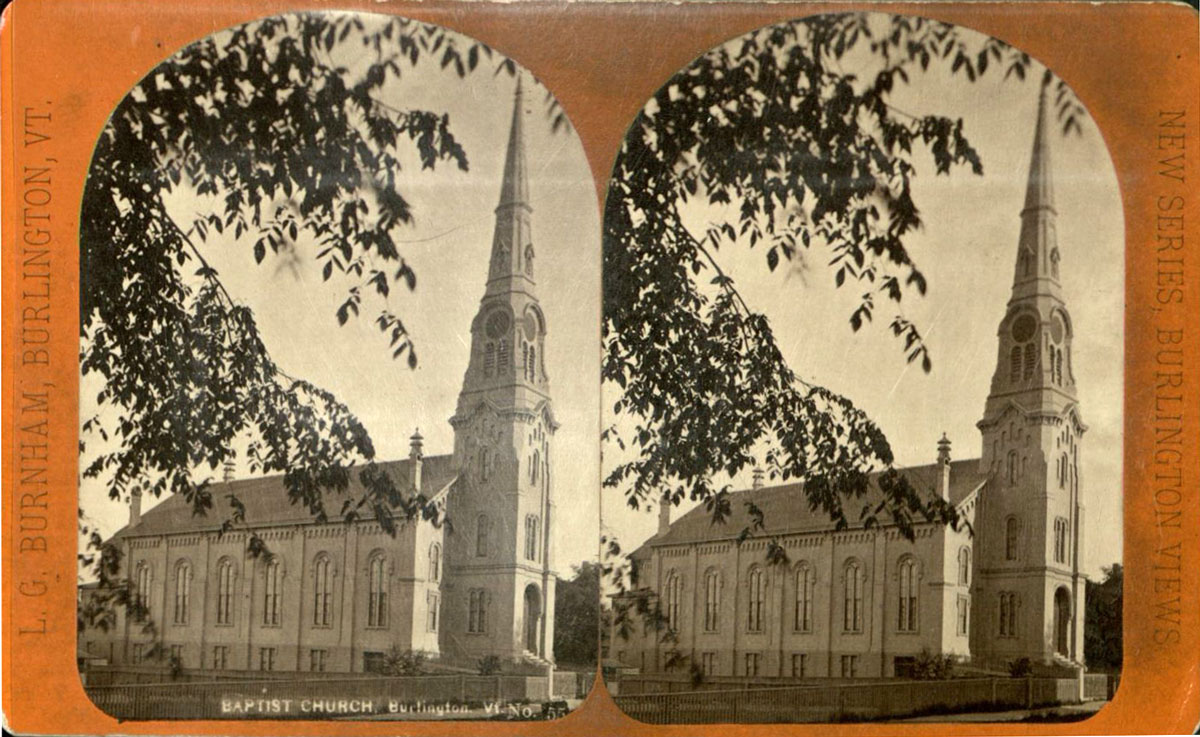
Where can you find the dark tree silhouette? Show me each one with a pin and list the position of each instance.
(1103, 643)
(577, 616)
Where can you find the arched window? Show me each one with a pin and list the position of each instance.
(757, 595)
(531, 537)
(671, 600)
(322, 593)
(1054, 257)
(477, 611)
(225, 591)
(1031, 357)
(964, 566)
(142, 593)
(377, 603)
(908, 596)
(1008, 614)
(532, 363)
(489, 359)
(712, 600)
(1015, 363)
(1058, 367)
(529, 260)
(852, 595)
(1014, 467)
(484, 464)
(534, 466)
(183, 591)
(805, 581)
(481, 535)
(503, 362)
(435, 562)
(1011, 532)
(271, 592)
(1060, 540)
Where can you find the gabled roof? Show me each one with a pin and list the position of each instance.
(267, 503)
(786, 511)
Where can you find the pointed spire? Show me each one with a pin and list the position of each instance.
(1039, 192)
(1036, 271)
(515, 190)
(512, 244)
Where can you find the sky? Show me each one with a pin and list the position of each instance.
(449, 247)
(967, 250)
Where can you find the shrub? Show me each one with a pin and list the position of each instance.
(933, 667)
(403, 662)
(1020, 668)
(489, 665)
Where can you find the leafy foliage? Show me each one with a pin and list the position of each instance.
(1103, 642)
(793, 156)
(930, 666)
(1020, 668)
(403, 662)
(577, 616)
(488, 665)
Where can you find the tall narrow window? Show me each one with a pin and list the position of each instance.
(321, 591)
(503, 362)
(1014, 467)
(964, 566)
(225, 591)
(532, 363)
(908, 596)
(531, 537)
(1060, 540)
(481, 535)
(489, 360)
(754, 612)
(142, 609)
(485, 468)
(1031, 358)
(964, 615)
(183, 593)
(377, 604)
(1058, 372)
(1008, 614)
(271, 592)
(1011, 532)
(852, 590)
(431, 616)
(804, 599)
(712, 600)
(534, 467)
(477, 611)
(435, 562)
(1015, 364)
(671, 600)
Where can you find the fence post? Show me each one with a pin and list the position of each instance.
(993, 692)
(1028, 692)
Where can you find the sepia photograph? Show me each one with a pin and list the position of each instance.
(339, 359)
(863, 331)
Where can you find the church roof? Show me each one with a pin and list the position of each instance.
(267, 503)
(786, 511)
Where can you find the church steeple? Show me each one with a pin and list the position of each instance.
(1037, 249)
(512, 243)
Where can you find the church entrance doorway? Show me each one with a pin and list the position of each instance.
(533, 618)
(1062, 621)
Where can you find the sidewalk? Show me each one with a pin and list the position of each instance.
(1070, 712)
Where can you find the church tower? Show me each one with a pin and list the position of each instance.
(1030, 590)
(500, 581)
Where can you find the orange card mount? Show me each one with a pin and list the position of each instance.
(600, 368)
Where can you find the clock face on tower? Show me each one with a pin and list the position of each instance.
(1023, 328)
(497, 324)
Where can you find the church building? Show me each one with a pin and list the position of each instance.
(868, 602)
(338, 596)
